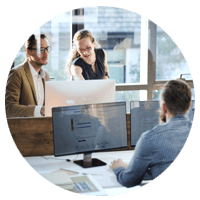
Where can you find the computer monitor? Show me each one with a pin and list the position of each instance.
(144, 116)
(68, 93)
(191, 111)
(89, 128)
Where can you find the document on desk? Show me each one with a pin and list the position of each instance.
(60, 179)
(87, 185)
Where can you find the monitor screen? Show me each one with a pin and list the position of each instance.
(144, 116)
(69, 93)
(89, 128)
(191, 111)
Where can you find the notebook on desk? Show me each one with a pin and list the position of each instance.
(60, 179)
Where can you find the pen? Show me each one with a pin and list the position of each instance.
(79, 172)
(69, 170)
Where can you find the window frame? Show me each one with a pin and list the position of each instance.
(152, 84)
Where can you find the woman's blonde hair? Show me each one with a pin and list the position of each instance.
(77, 37)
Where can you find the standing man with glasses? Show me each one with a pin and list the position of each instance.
(26, 82)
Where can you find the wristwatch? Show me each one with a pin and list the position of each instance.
(106, 74)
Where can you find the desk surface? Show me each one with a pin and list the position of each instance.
(103, 175)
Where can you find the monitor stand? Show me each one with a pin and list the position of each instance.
(88, 161)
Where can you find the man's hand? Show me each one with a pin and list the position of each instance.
(117, 163)
(42, 111)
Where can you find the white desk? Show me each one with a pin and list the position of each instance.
(103, 175)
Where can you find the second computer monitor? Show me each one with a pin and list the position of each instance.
(70, 93)
(144, 116)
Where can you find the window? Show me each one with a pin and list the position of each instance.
(141, 56)
(130, 95)
(58, 32)
(118, 32)
(170, 61)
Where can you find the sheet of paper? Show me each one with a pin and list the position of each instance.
(87, 185)
(58, 178)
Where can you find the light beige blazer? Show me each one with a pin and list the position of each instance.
(20, 92)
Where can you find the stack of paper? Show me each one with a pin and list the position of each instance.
(60, 179)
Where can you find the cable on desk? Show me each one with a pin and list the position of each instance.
(68, 160)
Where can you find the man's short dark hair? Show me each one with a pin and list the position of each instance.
(32, 41)
(177, 96)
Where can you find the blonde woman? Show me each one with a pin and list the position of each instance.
(87, 62)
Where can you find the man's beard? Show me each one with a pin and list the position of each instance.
(162, 116)
(41, 63)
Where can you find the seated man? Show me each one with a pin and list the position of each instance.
(157, 148)
(25, 85)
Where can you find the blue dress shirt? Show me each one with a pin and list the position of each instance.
(155, 151)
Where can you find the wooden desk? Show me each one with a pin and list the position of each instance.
(34, 135)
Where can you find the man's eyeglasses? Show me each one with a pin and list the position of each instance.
(42, 50)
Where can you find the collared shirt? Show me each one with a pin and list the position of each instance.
(39, 89)
(155, 151)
